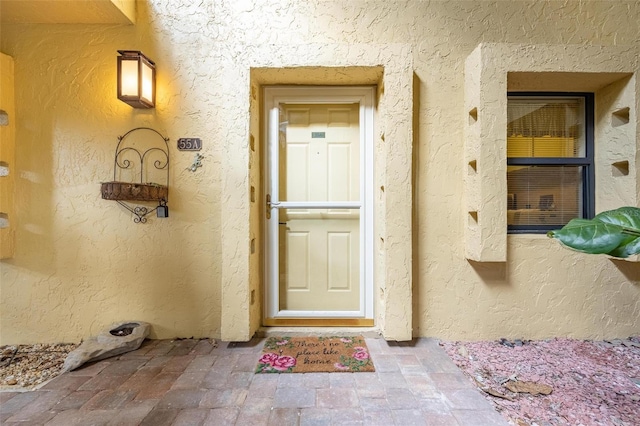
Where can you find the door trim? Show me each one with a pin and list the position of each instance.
(364, 97)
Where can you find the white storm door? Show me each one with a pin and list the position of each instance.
(319, 221)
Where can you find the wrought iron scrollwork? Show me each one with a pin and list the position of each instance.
(153, 162)
(140, 212)
(122, 163)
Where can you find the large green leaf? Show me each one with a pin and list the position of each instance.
(624, 216)
(614, 232)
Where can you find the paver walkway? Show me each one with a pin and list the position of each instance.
(191, 382)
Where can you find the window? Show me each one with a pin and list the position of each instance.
(550, 171)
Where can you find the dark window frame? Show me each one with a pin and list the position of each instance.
(587, 162)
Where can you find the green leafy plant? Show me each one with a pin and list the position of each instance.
(614, 232)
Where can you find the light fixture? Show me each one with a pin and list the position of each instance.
(136, 79)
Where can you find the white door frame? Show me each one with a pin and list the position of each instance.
(273, 97)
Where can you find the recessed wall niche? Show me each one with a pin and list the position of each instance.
(620, 117)
(620, 168)
(4, 220)
(473, 167)
(473, 115)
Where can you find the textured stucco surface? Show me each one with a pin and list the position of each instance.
(81, 263)
(384, 66)
(7, 157)
(551, 302)
(493, 69)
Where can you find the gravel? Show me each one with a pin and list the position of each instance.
(591, 382)
(27, 366)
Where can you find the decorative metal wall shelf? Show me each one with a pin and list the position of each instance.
(140, 173)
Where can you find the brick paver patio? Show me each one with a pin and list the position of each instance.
(191, 382)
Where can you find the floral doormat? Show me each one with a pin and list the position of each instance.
(314, 354)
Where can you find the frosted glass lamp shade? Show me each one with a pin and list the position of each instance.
(136, 79)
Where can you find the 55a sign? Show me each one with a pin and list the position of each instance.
(189, 144)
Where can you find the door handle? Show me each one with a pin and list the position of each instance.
(270, 205)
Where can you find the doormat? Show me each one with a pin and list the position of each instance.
(315, 354)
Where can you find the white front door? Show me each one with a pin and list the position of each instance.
(319, 222)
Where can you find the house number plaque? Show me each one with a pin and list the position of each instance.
(189, 144)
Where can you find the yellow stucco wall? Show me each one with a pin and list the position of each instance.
(81, 263)
(7, 157)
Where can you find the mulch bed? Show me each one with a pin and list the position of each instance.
(314, 354)
(591, 383)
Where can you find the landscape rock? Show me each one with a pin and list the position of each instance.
(505, 342)
(118, 339)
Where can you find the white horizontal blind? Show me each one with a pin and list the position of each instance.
(543, 195)
(553, 129)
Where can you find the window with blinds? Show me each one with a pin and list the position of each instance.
(549, 160)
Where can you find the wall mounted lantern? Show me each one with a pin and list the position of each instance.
(136, 79)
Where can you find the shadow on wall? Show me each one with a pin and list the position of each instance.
(495, 273)
(34, 183)
(415, 216)
(631, 270)
(491, 273)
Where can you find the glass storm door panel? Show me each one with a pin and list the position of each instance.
(319, 247)
(319, 261)
(315, 209)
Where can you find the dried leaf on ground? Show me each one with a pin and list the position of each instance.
(491, 391)
(529, 387)
(463, 352)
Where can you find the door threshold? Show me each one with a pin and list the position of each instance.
(318, 322)
(370, 332)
